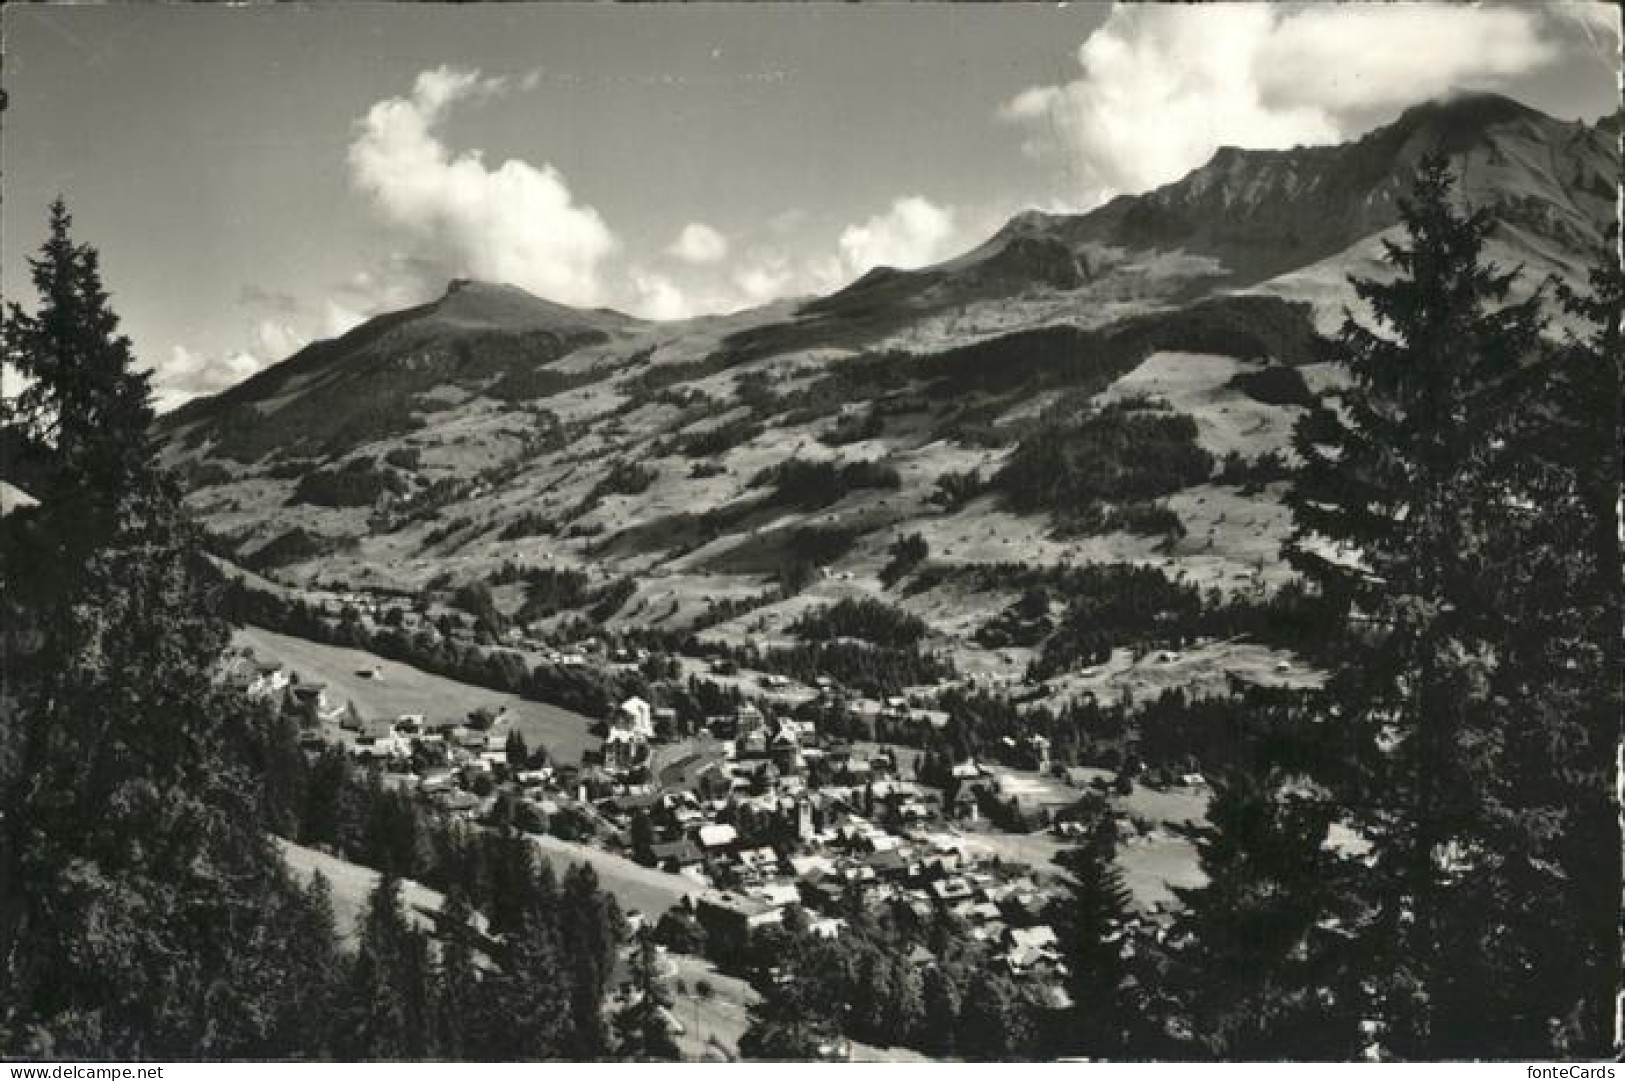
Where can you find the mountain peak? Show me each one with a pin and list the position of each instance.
(1463, 114)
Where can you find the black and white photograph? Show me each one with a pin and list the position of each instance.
(898, 533)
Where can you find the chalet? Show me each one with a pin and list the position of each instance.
(377, 739)
(267, 680)
(311, 694)
(677, 856)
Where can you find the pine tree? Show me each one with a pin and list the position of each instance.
(143, 912)
(386, 1014)
(1089, 924)
(457, 992)
(940, 1003)
(590, 923)
(643, 1025)
(1401, 509)
(1260, 978)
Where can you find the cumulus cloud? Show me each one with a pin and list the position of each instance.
(516, 223)
(1164, 85)
(657, 296)
(188, 374)
(912, 233)
(276, 339)
(699, 244)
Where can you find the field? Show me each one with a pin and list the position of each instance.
(352, 885)
(635, 887)
(404, 689)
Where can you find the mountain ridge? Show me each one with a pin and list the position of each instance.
(700, 462)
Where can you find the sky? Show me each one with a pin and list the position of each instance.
(258, 177)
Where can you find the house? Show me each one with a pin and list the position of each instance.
(718, 836)
(267, 680)
(827, 926)
(677, 856)
(624, 750)
(966, 805)
(729, 919)
(634, 716)
(311, 694)
(785, 751)
(778, 894)
(1041, 937)
(377, 739)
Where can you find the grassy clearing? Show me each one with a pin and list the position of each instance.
(404, 689)
(352, 885)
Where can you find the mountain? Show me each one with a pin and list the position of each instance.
(701, 468)
(1247, 216)
(364, 385)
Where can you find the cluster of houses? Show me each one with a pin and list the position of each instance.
(763, 813)
(772, 814)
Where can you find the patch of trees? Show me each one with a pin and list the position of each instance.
(864, 618)
(905, 553)
(806, 549)
(1252, 474)
(862, 986)
(357, 484)
(532, 523)
(408, 458)
(551, 590)
(613, 596)
(528, 384)
(875, 670)
(1275, 385)
(809, 485)
(854, 428)
(297, 545)
(719, 440)
(955, 489)
(1113, 455)
(622, 478)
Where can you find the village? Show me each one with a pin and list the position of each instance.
(752, 813)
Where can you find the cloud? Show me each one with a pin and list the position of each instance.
(276, 339)
(188, 374)
(339, 319)
(912, 233)
(1165, 85)
(657, 296)
(699, 244)
(516, 223)
(256, 296)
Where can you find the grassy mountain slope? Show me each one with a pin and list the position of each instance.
(491, 427)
